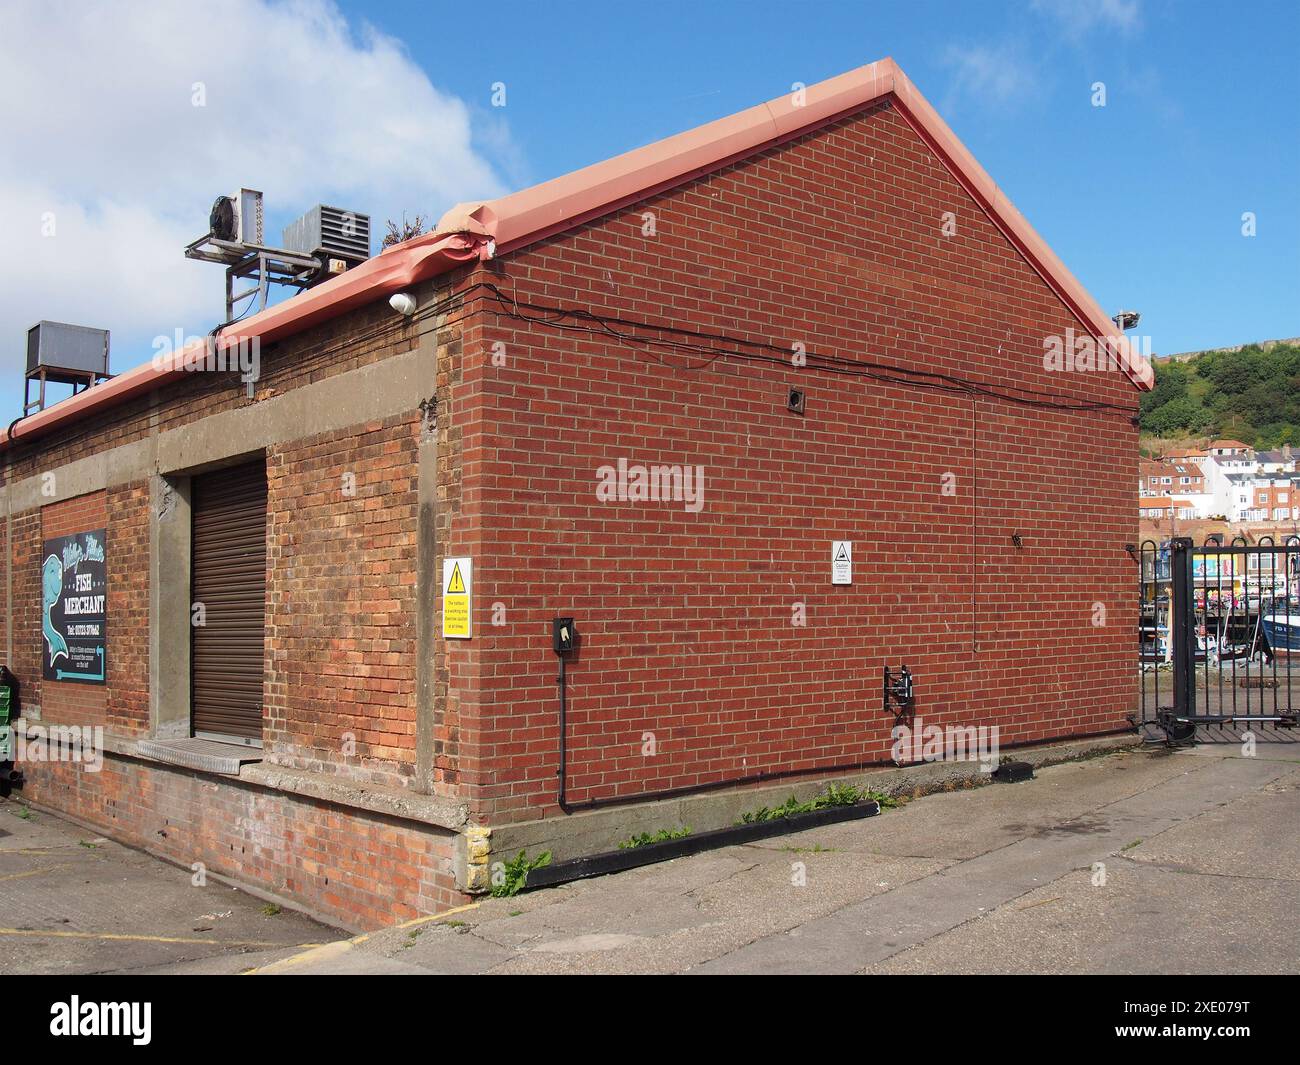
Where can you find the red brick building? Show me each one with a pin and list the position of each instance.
(649, 396)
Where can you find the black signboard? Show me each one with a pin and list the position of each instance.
(74, 608)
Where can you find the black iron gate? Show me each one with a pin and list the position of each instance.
(1219, 638)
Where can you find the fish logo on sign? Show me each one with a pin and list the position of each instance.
(457, 585)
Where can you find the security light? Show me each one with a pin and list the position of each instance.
(1126, 319)
(403, 303)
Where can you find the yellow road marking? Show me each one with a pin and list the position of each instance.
(34, 872)
(122, 937)
(320, 952)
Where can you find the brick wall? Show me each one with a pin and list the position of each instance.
(712, 634)
(454, 749)
(340, 602)
(360, 338)
(362, 870)
(341, 656)
(127, 705)
(834, 241)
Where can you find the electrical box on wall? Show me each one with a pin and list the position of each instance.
(563, 635)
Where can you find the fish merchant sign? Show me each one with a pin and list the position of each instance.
(74, 608)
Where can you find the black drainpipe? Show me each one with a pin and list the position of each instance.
(564, 747)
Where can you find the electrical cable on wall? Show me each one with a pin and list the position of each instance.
(694, 342)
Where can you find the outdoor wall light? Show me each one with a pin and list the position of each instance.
(1017, 540)
(403, 303)
(796, 400)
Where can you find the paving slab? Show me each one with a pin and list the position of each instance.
(867, 933)
(1144, 919)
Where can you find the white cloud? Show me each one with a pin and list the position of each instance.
(99, 128)
(1081, 16)
(995, 75)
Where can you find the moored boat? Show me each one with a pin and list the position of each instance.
(1281, 625)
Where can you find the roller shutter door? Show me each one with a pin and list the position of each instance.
(228, 576)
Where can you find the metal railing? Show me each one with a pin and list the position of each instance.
(1219, 636)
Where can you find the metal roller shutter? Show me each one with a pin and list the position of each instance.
(228, 576)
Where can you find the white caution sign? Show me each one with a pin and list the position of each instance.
(841, 562)
(457, 597)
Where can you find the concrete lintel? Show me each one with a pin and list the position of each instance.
(427, 577)
(434, 810)
(369, 393)
(169, 607)
(408, 806)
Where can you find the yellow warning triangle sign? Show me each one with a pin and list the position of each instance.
(457, 583)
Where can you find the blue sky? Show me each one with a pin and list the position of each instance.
(1142, 198)
(382, 107)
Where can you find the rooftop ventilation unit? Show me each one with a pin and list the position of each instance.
(73, 355)
(237, 219)
(323, 242)
(330, 233)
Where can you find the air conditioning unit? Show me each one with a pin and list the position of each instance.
(330, 233)
(59, 348)
(237, 219)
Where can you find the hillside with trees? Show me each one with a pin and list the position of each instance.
(1251, 395)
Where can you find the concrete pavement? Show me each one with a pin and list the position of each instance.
(1141, 861)
(1148, 861)
(72, 901)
